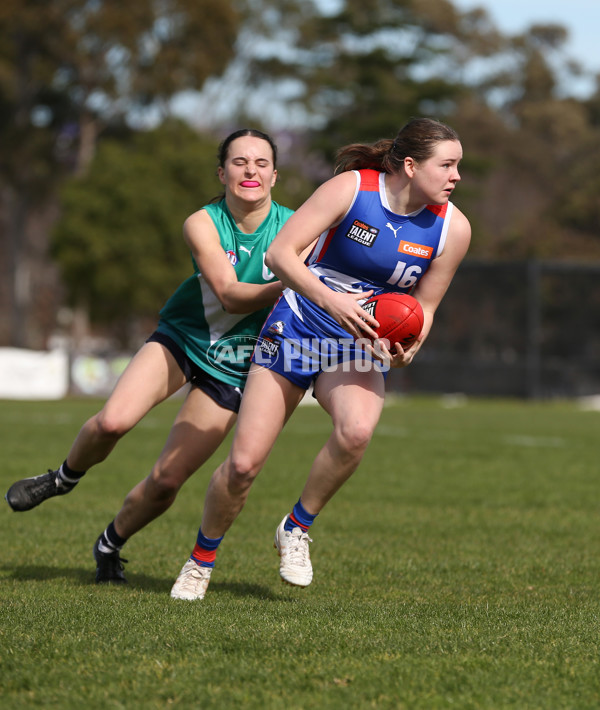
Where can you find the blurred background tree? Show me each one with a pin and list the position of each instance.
(69, 70)
(87, 89)
(119, 238)
(364, 69)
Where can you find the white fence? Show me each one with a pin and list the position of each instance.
(28, 374)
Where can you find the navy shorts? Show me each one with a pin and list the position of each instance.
(225, 395)
(300, 350)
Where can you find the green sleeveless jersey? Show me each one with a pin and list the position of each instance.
(221, 343)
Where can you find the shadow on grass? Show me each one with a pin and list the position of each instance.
(85, 578)
(245, 589)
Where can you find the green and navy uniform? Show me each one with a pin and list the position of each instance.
(217, 342)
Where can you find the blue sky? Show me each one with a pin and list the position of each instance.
(580, 17)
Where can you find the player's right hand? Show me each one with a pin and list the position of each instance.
(346, 310)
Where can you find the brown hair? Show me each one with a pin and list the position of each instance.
(417, 139)
(224, 149)
(224, 146)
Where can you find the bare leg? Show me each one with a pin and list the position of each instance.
(151, 376)
(199, 429)
(269, 400)
(354, 400)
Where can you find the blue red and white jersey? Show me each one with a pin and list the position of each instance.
(373, 247)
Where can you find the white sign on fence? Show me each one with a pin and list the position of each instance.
(31, 374)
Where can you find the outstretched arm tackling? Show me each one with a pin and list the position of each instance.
(203, 240)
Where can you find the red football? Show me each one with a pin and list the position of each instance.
(400, 317)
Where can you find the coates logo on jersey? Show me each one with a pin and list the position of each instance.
(415, 250)
(232, 256)
(362, 233)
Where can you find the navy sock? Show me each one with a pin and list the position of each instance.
(110, 540)
(67, 477)
(205, 550)
(299, 518)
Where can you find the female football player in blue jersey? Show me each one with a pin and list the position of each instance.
(225, 300)
(383, 223)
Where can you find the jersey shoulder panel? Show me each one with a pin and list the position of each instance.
(369, 180)
(438, 210)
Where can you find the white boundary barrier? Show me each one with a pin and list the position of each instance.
(31, 374)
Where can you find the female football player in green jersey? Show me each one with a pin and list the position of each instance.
(224, 301)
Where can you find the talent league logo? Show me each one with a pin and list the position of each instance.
(362, 233)
(269, 346)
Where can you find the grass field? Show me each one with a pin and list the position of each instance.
(459, 568)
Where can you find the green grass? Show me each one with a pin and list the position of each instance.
(458, 568)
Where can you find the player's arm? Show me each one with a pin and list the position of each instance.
(202, 238)
(433, 285)
(326, 207)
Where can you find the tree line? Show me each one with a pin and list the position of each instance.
(97, 172)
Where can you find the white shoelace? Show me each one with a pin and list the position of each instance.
(194, 574)
(296, 551)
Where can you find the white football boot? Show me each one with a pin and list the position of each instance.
(192, 582)
(294, 563)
